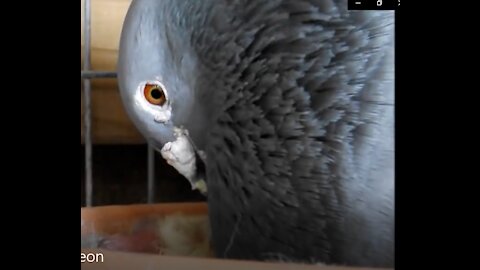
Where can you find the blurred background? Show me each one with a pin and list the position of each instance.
(119, 159)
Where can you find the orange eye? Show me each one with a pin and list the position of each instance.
(154, 94)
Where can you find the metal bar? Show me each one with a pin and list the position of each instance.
(88, 74)
(87, 103)
(151, 174)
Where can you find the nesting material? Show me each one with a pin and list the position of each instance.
(144, 229)
(176, 234)
(185, 235)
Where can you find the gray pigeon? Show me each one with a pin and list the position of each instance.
(281, 112)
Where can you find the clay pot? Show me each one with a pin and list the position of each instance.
(159, 236)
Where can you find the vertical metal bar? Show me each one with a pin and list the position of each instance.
(87, 103)
(151, 174)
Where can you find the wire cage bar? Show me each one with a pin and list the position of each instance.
(87, 104)
(88, 74)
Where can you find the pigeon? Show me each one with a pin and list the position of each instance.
(281, 112)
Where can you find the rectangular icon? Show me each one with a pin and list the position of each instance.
(373, 4)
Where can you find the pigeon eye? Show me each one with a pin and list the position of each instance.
(154, 94)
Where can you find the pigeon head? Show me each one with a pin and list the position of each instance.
(158, 72)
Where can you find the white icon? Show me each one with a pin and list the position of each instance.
(398, 2)
(358, 3)
(379, 3)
